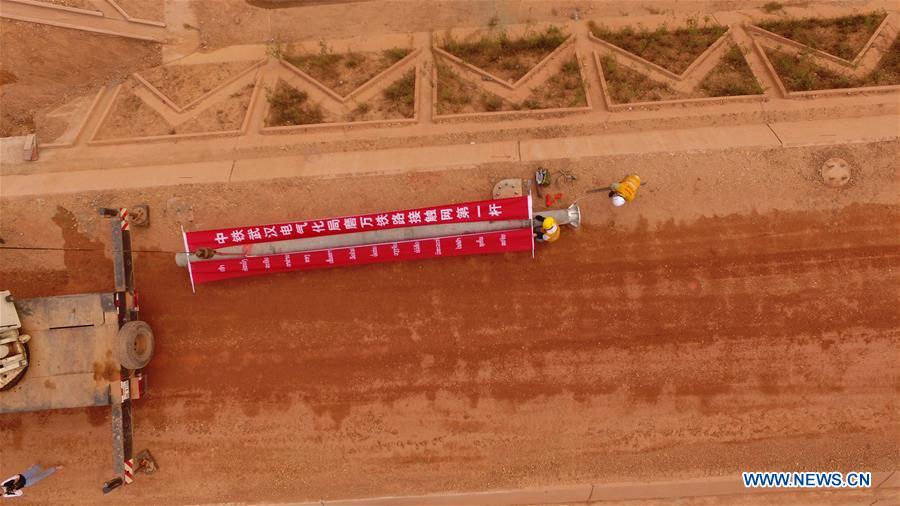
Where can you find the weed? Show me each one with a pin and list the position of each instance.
(843, 37)
(731, 77)
(361, 109)
(275, 49)
(499, 52)
(494, 22)
(626, 85)
(674, 49)
(289, 106)
(771, 7)
(395, 54)
(800, 73)
(570, 67)
(402, 94)
(353, 60)
(491, 102)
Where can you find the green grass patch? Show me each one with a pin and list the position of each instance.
(674, 50)
(843, 37)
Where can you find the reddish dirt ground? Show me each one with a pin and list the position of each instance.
(697, 332)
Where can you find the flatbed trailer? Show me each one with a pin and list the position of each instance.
(81, 350)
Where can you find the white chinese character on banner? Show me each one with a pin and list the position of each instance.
(244, 266)
(237, 235)
(318, 227)
(330, 258)
(395, 249)
(414, 217)
(270, 232)
(382, 220)
(350, 223)
(417, 248)
(365, 221)
(306, 258)
(374, 252)
(287, 260)
(503, 240)
(352, 253)
(459, 243)
(221, 268)
(334, 225)
(267, 263)
(446, 214)
(495, 209)
(398, 219)
(480, 241)
(300, 227)
(253, 234)
(430, 216)
(462, 213)
(287, 230)
(437, 247)
(221, 238)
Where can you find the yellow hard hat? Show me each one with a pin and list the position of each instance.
(548, 223)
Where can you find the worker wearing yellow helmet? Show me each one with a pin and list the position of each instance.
(625, 190)
(546, 229)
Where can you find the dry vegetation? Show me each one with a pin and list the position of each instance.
(843, 37)
(185, 83)
(731, 77)
(345, 72)
(565, 89)
(506, 58)
(401, 95)
(456, 95)
(673, 50)
(800, 72)
(290, 106)
(626, 86)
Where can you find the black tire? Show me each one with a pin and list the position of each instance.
(134, 345)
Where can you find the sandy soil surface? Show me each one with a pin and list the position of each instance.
(185, 83)
(39, 72)
(739, 316)
(81, 4)
(153, 10)
(131, 117)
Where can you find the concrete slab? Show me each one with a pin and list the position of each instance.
(653, 141)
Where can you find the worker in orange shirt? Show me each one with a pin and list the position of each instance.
(625, 190)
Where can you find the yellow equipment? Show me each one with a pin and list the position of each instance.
(627, 187)
(548, 223)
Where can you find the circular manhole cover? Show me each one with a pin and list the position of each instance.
(835, 172)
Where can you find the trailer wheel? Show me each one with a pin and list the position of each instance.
(134, 345)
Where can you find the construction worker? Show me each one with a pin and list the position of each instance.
(546, 229)
(625, 190)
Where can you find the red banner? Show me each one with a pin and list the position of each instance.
(470, 244)
(515, 208)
